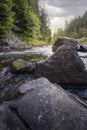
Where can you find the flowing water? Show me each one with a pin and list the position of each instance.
(37, 53)
(12, 81)
(34, 54)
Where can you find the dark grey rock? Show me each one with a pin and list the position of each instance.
(5, 75)
(46, 106)
(9, 120)
(9, 89)
(64, 41)
(64, 66)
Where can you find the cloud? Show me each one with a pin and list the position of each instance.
(61, 10)
(54, 11)
(57, 22)
(66, 3)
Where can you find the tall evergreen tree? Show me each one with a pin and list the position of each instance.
(45, 31)
(34, 5)
(77, 28)
(6, 17)
(27, 22)
(21, 13)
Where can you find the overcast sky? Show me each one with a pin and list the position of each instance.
(61, 10)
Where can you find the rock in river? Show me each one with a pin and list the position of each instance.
(43, 106)
(64, 41)
(64, 66)
(49, 107)
(68, 42)
(22, 66)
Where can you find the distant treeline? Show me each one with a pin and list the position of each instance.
(26, 19)
(76, 28)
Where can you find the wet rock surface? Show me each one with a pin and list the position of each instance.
(23, 66)
(9, 119)
(64, 66)
(68, 42)
(48, 107)
(27, 103)
(64, 41)
(5, 75)
(10, 82)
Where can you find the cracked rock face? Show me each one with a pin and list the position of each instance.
(46, 106)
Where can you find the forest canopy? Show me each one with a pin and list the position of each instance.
(26, 19)
(76, 28)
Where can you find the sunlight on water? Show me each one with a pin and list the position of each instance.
(34, 54)
(46, 50)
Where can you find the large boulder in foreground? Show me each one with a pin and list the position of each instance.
(64, 41)
(64, 66)
(43, 106)
(46, 106)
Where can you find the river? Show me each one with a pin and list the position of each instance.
(34, 54)
(11, 81)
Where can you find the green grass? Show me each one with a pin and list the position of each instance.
(84, 40)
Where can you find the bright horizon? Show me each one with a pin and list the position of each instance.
(60, 11)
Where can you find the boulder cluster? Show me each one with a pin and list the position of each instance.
(40, 103)
(65, 65)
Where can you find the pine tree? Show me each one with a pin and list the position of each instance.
(6, 17)
(27, 23)
(21, 13)
(34, 5)
(77, 28)
(45, 31)
(33, 26)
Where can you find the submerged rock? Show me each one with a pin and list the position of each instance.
(22, 66)
(64, 66)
